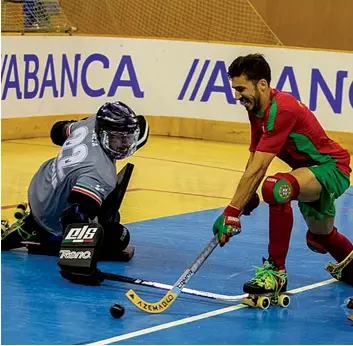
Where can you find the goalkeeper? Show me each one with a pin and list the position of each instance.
(80, 184)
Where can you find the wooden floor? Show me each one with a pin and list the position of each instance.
(172, 175)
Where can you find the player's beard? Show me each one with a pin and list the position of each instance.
(252, 103)
(257, 102)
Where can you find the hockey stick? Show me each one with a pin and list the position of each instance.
(173, 293)
(165, 287)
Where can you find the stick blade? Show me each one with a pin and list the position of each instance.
(152, 308)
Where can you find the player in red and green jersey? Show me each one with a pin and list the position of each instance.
(283, 127)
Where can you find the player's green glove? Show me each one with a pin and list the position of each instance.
(227, 225)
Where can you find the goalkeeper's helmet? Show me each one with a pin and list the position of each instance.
(117, 129)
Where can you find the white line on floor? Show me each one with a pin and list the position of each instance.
(198, 317)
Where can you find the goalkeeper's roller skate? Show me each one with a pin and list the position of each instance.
(267, 287)
(12, 235)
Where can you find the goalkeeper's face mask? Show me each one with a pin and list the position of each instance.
(120, 144)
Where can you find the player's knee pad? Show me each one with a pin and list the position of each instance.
(315, 242)
(280, 188)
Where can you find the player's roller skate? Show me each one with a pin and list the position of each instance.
(342, 271)
(267, 287)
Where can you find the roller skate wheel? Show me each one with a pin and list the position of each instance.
(263, 303)
(20, 211)
(283, 300)
(19, 214)
(22, 206)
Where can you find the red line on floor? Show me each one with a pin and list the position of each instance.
(184, 193)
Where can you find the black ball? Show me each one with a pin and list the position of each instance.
(117, 310)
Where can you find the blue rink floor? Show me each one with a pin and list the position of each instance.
(39, 307)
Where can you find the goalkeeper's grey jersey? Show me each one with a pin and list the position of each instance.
(82, 166)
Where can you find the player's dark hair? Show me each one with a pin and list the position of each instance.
(253, 66)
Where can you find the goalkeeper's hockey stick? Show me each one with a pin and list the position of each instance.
(165, 287)
(173, 293)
